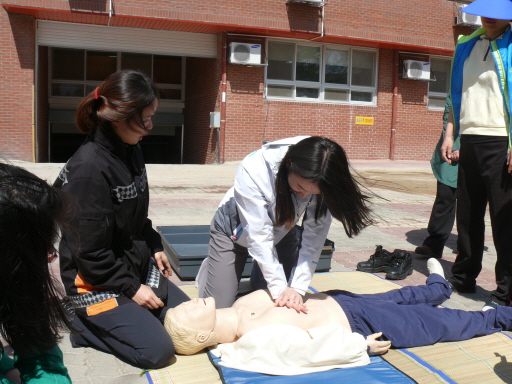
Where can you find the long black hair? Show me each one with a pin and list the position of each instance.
(324, 162)
(123, 96)
(31, 216)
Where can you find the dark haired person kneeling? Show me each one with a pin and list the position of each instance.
(339, 330)
(31, 215)
(113, 265)
(275, 187)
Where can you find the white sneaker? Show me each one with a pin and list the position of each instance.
(434, 266)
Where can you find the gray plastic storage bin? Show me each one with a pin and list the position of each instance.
(186, 246)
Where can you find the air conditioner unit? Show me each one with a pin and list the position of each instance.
(416, 70)
(467, 19)
(314, 3)
(243, 53)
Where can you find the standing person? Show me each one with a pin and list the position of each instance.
(274, 187)
(31, 315)
(113, 266)
(481, 92)
(442, 216)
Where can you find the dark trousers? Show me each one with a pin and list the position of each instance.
(130, 332)
(409, 317)
(483, 178)
(442, 218)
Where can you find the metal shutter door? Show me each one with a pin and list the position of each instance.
(122, 39)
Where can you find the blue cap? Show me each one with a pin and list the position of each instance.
(493, 9)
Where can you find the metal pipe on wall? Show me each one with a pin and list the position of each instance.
(395, 103)
(110, 10)
(35, 108)
(223, 88)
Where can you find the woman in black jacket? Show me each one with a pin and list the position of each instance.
(113, 265)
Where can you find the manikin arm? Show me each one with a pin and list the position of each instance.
(376, 347)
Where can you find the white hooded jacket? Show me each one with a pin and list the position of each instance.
(254, 192)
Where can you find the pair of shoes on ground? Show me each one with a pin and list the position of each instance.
(425, 250)
(396, 264)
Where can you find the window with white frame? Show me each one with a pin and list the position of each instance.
(438, 90)
(76, 72)
(323, 73)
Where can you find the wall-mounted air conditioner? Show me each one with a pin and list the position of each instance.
(243, 53)
(416, 70)
(467, 19)
(314, 3)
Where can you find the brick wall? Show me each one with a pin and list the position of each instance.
(251, 119)
(424, 25)
(414, 22)
(42, 136)
(202, 93)
(16, 79)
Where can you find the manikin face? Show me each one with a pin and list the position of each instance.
(132, 135)
(301, 186)
(198, 314)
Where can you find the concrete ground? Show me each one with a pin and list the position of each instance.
(189, 195)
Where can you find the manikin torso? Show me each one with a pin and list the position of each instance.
(257, 310)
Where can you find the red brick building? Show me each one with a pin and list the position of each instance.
(334, 69)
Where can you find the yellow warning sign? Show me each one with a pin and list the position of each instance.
(364, 120)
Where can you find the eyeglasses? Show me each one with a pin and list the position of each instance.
(52, 255)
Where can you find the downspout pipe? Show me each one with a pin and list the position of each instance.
(223, 88)
(35, 102)
(110, 9)
(394, 108)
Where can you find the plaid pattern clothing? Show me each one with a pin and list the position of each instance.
(90, 298)
(106, 253)
(153, 277)
(94, 297)
(128, 192)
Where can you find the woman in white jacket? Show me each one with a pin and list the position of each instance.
(274, 187)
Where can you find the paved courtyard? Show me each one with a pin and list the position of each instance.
(189, 195)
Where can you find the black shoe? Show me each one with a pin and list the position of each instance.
(401, 267)
(462, 288)
(378, 262)
(426, 251)
(489, 305)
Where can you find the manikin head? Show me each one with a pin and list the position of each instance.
(191, 325)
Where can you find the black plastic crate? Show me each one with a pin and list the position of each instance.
(186, 247)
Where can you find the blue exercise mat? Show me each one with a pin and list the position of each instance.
(377, 372)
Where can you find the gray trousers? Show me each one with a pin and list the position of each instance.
(221, 271)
